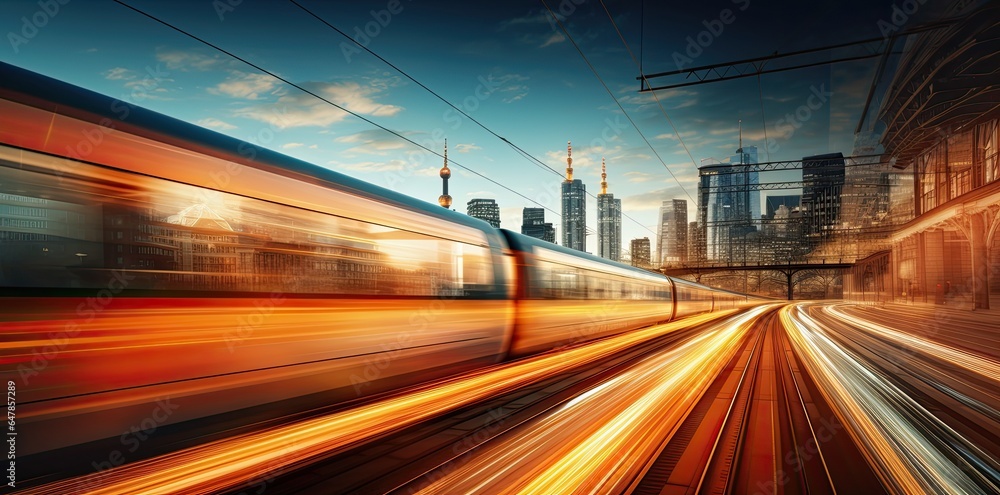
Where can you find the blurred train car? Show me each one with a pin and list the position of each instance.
(147, 261)
(566, 296)
(144, 258)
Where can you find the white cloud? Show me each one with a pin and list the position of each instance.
(532, 19)
(288, 146)
(465, 148)
(187, 61)
(373, 142)
(673, 137)
(370, 166)
(300, 109)
(555, 38)
(118, 73)
(247, 86)
(214, 123)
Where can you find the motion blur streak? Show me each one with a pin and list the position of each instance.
(600, 441)
(911, 449)
(986, 367)
(231, 462)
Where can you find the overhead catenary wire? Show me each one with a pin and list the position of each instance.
(518, 149)
(327, 101)
(361, 46)
(656, 98)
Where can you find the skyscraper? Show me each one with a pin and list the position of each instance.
(533, 224)
(672, 238)
(696, 243)
(640, 252)
(728, 203)
(822, 186)
(775, 202)
(485, 209)
(574, 208)
(609, 221)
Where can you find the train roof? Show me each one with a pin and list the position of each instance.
(49, 94)
(523, 242)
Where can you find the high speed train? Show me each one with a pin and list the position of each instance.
(153, 272)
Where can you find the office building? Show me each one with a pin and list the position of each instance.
(485, 209)
(574, 208)
(822, 187)
(639, 248)
(672, 237)
(533, 224)
(609, 221)
(728, 203)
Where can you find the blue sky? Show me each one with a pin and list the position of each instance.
(505, 63)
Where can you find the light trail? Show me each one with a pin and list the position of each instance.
(988, 368)
(912, 450)
(232, 462)
(599, 441)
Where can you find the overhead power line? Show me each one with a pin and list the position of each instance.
(327, 101)
(518, 149)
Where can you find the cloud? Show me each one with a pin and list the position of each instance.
(189, 61)
(673, 137)
(118, 73)
(640, 177)
(373, 142)
(653, 199)
(214, 123)
(288, 146)
(553, 39)
(248, 86)
(530, 19)
(465, 148)
(511, 83)
(301, 110)
(370, 166)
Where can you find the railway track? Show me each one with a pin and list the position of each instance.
(405, 459)
(760, 428)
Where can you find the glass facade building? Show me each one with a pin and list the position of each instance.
(609, 227)
(533, 224)
(485, 209)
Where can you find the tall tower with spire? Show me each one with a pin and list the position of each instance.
(445, 199)
(574, 207)
(609, 220)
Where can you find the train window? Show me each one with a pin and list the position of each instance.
(183, 237)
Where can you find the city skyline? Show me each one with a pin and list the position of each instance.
(512, 69)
